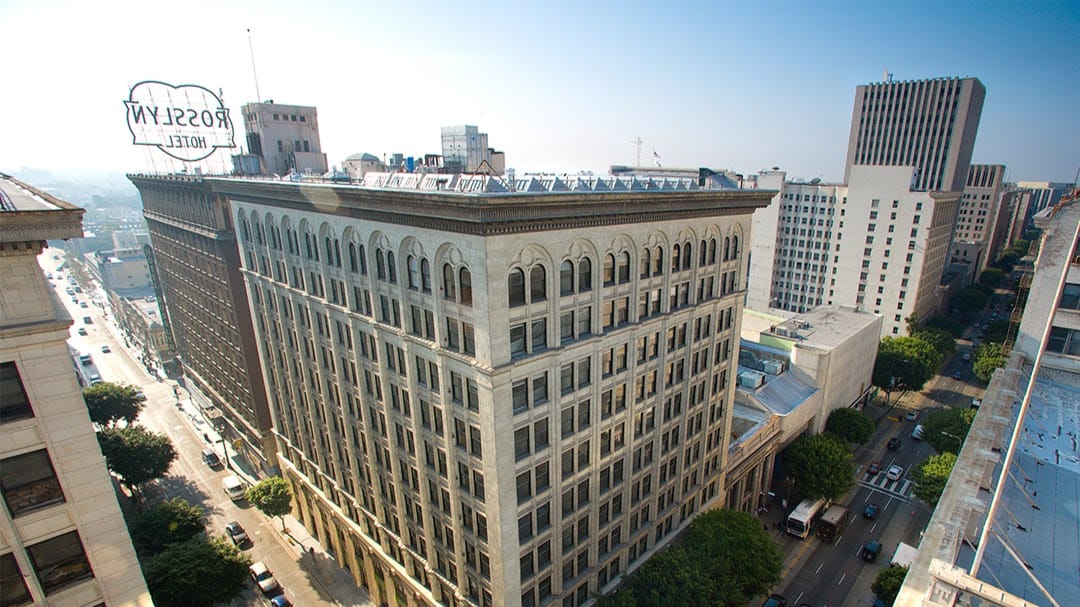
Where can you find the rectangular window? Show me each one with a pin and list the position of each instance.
(14, 403)
(29, 482)
(13, 590)
(60, 562)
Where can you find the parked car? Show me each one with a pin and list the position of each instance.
(106, 349)
(236, 533)
(775, 600)
(260, 574)
(82, 331)
(871, 511)
(976, 403)
(894, 443)
(280, 601)
(894, 473)
(83, 304)
(917, 433)
(211, 459)
(870, 551)
(957, 375)
(234, 487)
(912, 416)
(873, 468)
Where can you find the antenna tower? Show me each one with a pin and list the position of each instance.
(638, 141)
(251, 51)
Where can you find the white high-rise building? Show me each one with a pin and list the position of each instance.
(285, 137)
(496, 397)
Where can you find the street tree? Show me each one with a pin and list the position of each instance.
(196, 572)
(997, 331)
(930, 477)
(946, 323)
(821, 466)
(272, 496)
(135, 454)
(888, 582)
(968, 302)
(907, 362)
(988, 357)
(992, 277)
(164, 524)
(943, 342)
(108, 403)
(736, 553)
(850, 425)
(945, 429)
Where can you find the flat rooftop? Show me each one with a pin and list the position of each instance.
(28, 214)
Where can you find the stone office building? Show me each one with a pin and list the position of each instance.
(496, 393)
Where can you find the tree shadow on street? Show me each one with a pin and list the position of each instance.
(174, 485)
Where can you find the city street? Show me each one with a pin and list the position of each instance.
(287, 555)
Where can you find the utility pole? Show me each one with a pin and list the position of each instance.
(637, 142)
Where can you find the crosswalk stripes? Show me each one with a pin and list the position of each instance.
(900, 488)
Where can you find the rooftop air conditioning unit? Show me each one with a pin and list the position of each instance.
(751, 379)
(773, 367)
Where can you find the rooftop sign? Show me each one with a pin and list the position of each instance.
(187, 122)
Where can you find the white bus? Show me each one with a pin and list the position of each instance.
(800, 522)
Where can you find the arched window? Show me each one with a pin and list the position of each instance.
(584, 275)
(414, 272)
(425, 276)
(515, 285)
(363, 260)
(449, 285)
(353, 266)
(624, 267)
(727, 248)
(675, 253)
(380, 264)
(329, 251)
(537, 284)
(658, 261)
(391, 268)
(466, 286)
(704, 254)
(646, 261)
(734, 247)
(712, 250)
(245, 233)
(609, 270)
(566, 278)
(688, 256)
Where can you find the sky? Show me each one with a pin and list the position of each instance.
(558, 86)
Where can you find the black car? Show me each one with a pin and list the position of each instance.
(893, 444)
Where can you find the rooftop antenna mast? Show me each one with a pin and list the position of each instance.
(638, 143)
(251, 51)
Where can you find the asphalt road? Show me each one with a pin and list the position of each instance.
(188, 477)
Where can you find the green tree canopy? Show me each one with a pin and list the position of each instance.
(992, 277)
(272, 496)
(988, 358)
(822, 466)
(945, 429)
(850, 425)
(136, 454)
(888, 582)
(911, 361)
(164, 524)
(946, 323)
(968, 302)
(196, 573)
(997, 331)
(944, 343)
(109, 403)
(930, 477)
(725, 558)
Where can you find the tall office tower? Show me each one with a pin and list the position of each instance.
(492, 397)
(286, 137)
(926, 124)
(1043, 194)
(464, 148)
(63, 540)
(1004, 531)
(977, 223)
(198, 272)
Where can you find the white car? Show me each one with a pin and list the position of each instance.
(261, 575)
(912, 416)
(894, 473)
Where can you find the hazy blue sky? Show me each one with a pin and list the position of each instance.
(559, 86)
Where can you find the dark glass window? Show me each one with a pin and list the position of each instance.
(29, 482)
(13, 590)
(60, 562)
(14, 403)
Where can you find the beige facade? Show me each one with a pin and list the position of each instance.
(496, 398)
(62, 534)
(977, 229)
(286, 137)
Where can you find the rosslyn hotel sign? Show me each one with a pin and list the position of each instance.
(188, 122)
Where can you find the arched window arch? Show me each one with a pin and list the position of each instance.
(380, 264)
(688, 256)
(413, 268)
(465, 282)
(537, 284)
(515, 284)
(449, 284)
(624, 267)
(646, 261)
(609, 269)
(425, 276)
(391, 268)
(584, 275)
(566, 278)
